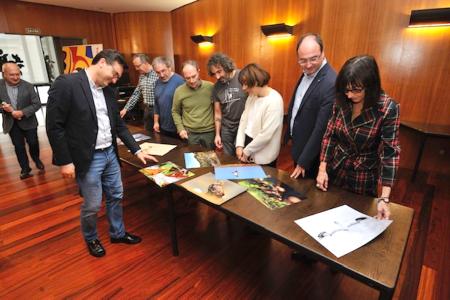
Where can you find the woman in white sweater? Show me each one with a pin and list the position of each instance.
(259, 134)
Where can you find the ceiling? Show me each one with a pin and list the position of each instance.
(114, 6)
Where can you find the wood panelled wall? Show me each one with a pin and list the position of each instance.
(143, 32)
(414, 63)
(95, 27)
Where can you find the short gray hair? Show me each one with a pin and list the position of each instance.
(142, 56)
(162, 60)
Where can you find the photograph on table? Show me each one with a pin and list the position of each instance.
(271, 193)
(202, 159)
(237, 172)
(138, 137)
(166, 173)
(213, 190)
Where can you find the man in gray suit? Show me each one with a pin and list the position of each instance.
(19, 105)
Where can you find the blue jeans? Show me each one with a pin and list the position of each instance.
(103, 176)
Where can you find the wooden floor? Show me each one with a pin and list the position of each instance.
(43, 254)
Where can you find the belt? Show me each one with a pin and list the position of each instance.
(102, 149)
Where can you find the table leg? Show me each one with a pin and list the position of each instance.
(172, 221)
(419, 157)
(386, 294)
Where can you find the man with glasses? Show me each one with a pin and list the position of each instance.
(83, 124)
(164, 89)
(145, 88)
(310, 106)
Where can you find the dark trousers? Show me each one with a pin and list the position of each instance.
(148, 118)
(18, 138)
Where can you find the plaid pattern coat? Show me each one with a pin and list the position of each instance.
(146, 88)
(361, 153)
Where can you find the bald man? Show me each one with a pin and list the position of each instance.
(310, 106)
(192, 108)
(19, 105)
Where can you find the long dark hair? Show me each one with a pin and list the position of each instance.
(359, 72)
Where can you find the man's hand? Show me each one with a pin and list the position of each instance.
(7, 107)
(17, 114)
(68, 171)
(299, 170)
(144, 158)
(218, 142)
(183, 134)
(383, 211)
(156, 127)
(123, 112)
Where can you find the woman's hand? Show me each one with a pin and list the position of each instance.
(239, 152)
(383, 211)
(322, 180)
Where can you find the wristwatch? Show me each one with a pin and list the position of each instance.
(384, 199)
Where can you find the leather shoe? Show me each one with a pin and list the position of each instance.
(40, 165)
(25, 174)
(128, 238)
(95, 248)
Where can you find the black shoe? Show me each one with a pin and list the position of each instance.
(95, 248)
(40, 166)
(25, 174)
(128, 238)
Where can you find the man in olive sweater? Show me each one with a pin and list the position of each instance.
(192, 109)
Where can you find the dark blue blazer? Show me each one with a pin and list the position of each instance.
(72, 122)
(312, 117)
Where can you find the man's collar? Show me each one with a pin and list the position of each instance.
(91, 82)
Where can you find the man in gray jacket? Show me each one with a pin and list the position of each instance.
(19, 103)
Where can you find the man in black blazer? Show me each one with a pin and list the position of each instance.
(83, 123)
(310, 106)
(19, 105)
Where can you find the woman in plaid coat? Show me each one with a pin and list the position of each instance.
(360, 148)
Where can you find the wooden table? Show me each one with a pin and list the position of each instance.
(376, 264)
(425, 131)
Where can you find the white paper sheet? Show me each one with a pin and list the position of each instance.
(156, 149)
(342, 229)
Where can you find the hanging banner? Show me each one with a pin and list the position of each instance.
(79, 57)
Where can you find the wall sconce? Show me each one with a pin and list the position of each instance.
(430, 17)
(277, 30)
(200, 39)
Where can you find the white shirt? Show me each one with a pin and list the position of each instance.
(104, 136)
(301, 91)
(262, 120)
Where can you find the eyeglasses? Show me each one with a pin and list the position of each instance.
(354, 90)
(311, 60)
